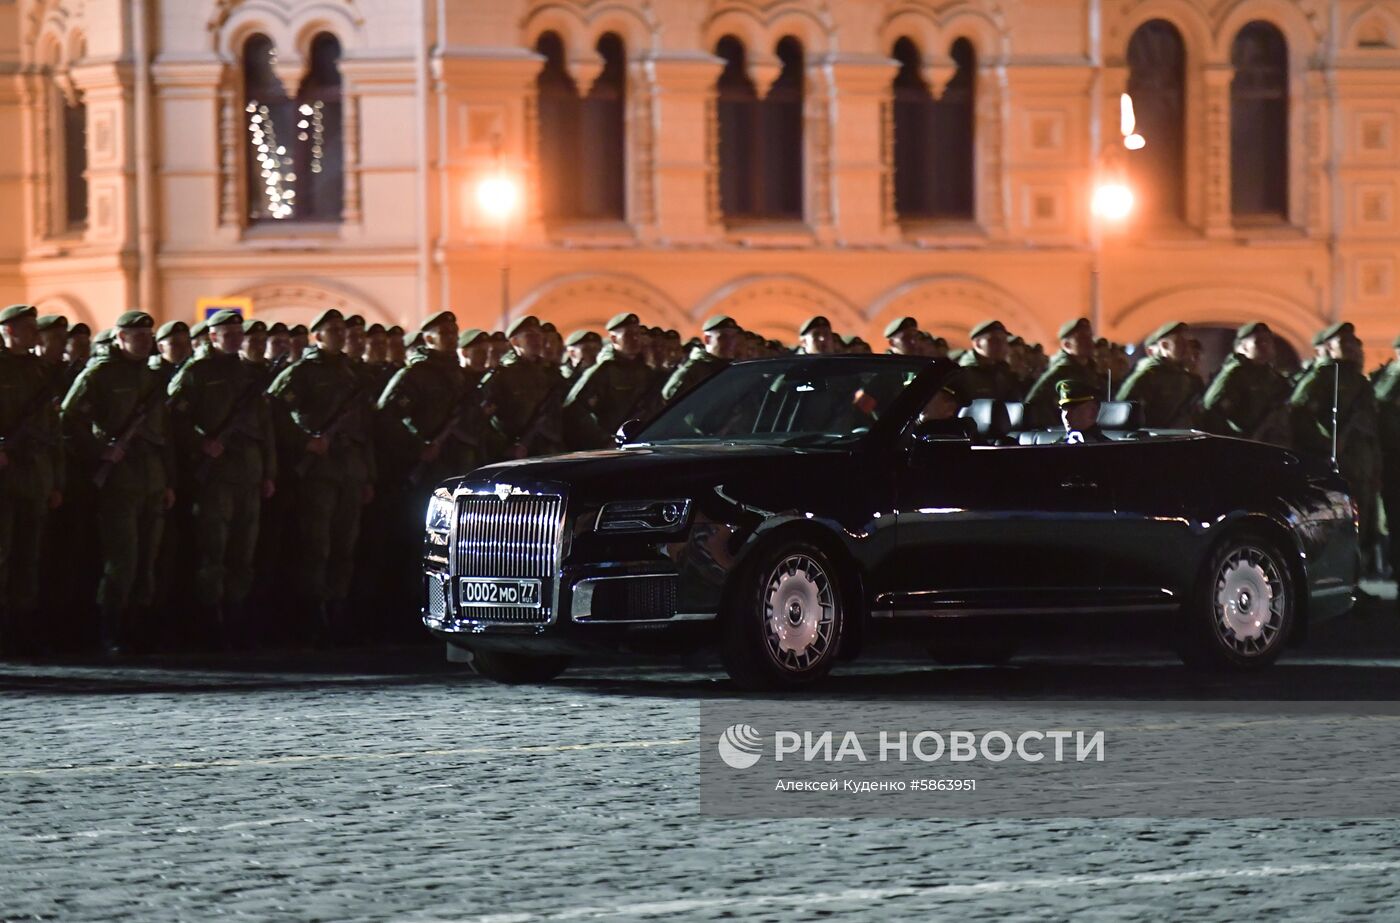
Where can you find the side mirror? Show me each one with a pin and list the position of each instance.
(628, 432)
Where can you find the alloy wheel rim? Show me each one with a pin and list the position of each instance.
(1250, 602)
(799, 613)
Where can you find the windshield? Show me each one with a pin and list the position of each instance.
(798, 401)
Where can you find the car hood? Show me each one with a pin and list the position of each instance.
(651, 470)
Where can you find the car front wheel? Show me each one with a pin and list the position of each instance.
(1244, 607)
(787, 622)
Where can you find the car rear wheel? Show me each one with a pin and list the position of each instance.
(517, 668)
(1244, 607)
(788, 620)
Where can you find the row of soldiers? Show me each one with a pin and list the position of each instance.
(201, 466)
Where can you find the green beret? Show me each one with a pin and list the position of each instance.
(224, 318)
(254, 326)
(171, 326)
(986, 327)
(1074, 392)
(134, 320)
(374, 329)
(15, 311)
(355, 320)
(199, 329)
(719, 322)
(622, 320)
(1070, 327)
(79, 329)
(521, 324)
(52, 321)
(325, 317)
(105, 335)
(548, 327)
(852, 339)
(1166, 330)
(582, 336)
(278, 327)
(1336, 330)
(395, 331)
(498, 337)
(434, 319)
(898, 324)
(1250, 329)
(809, 323)
(940, 341)
(469, 337)
(298, 331)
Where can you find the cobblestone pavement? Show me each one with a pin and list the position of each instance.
(389, 785)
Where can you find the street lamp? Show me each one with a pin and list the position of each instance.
(498, 197)
(1112, 200)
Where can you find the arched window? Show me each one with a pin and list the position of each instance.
(602, 162)
(1157, 85)
(738, 117)
(782, 138)
(1259, 123)
(295, 150)
(914, 176)
(75, 183)
(558, 110)
(953, 140)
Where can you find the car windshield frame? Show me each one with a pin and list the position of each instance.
(891, 419)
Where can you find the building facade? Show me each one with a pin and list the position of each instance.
(771, 159)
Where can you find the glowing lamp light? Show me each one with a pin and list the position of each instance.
(1112, 201)
(1127, 124)
(498, 196)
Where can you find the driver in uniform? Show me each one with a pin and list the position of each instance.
(1079, 410)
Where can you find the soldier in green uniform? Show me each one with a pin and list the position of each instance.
(1357, 431)
(983, 371)
(1074, 362)
(904, 336)
(1079, 405)
(617, 389)
(356, 338)
(52, 346)
(300, 339)
(173, 350)
(815, 337)
(254, 351)
(78, 350)
(115, 417)
(473, 353)
(1170, 395)
(31, 474)
(199, 337)
(101, 344)
(720, 347)
(582, 348)
(224, 436)
(377, 358)
(279, 348)
(325, 425)
(1386, 382)
(525, 395)
(553, 344)
(1248, 397)
(394, 341)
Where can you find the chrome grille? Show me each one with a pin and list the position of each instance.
(513, 537)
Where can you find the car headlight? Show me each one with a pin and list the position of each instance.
(644, 516)
(439, 519)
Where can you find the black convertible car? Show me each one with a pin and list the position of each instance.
(791, 510)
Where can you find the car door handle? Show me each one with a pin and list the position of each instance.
(1075, 482)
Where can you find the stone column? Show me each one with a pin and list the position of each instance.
(857, 146)
(1219, 219)
(686, 147)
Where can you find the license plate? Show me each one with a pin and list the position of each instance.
(499, 592)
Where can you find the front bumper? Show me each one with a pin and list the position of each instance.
(593, 608)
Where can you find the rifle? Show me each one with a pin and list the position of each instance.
(333, 424)
(447, 430)
(128, 433)
(201, 473)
